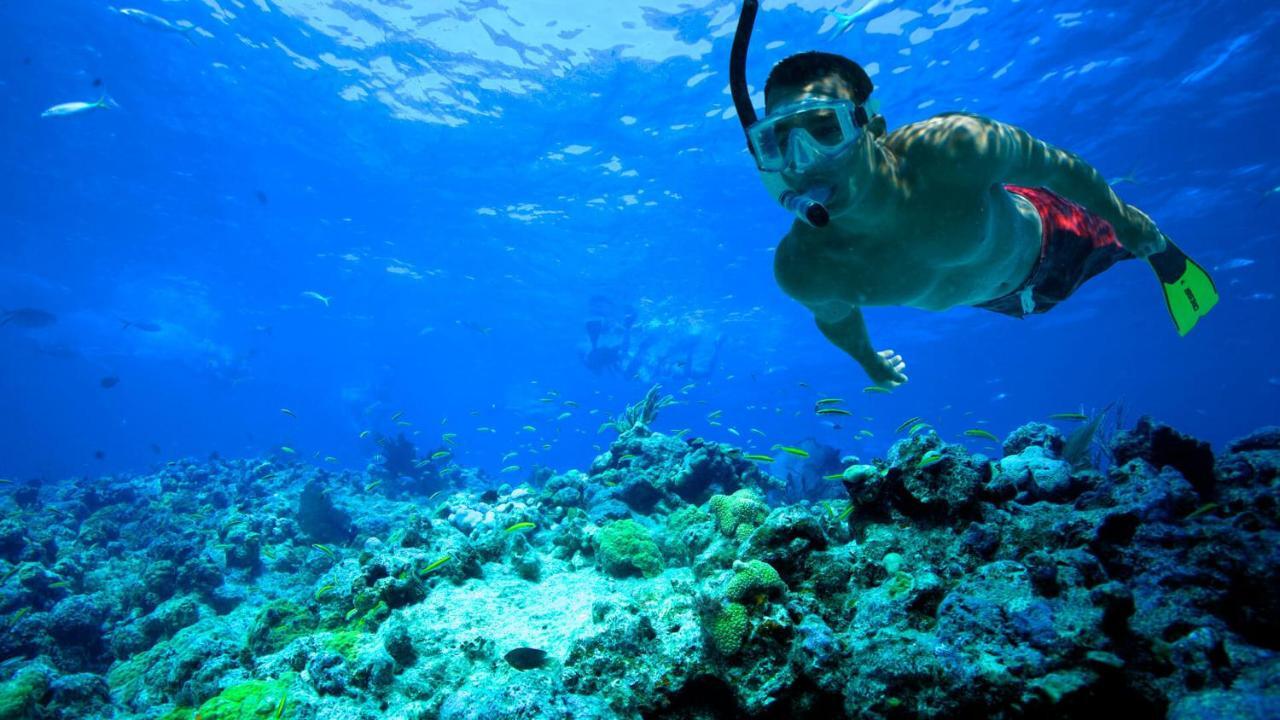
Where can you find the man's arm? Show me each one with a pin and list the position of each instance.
(1003, 153)
(846, 329)
(840, 321)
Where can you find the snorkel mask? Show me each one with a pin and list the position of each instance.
(796, 137)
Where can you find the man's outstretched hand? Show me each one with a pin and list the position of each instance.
(886, 369)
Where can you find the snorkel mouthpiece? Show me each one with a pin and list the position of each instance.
(809, 205)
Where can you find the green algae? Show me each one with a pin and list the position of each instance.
(252, 700)
(277, 625)
(344, 642)
(900, 584)
(18, 697)
(684, 518)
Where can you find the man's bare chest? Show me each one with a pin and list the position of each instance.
(938, 251)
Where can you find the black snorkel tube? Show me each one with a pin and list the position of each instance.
(738, 66)
(808, 205)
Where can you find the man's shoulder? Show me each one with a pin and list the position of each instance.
(792, 265)
(947, 149)
(939, 132)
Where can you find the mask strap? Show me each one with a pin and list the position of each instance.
(860, 116)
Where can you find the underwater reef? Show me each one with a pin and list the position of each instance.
(673, 578)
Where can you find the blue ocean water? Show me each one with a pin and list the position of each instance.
(472, 183)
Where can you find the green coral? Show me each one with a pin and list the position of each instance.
(684, 518)
(248, 701)
(729, 629)
(739, 514)
(626, 549)
(277, 625)
(20, 695)
(755, 579)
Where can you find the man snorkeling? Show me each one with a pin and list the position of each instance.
(954, 210)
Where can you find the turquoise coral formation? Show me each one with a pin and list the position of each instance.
(674, 565)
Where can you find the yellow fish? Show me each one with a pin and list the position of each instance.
(929, 458)
(907, 423)
(435, 564)
(791, 450)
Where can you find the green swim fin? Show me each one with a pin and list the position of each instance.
(1188, 290)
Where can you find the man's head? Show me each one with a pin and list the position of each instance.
(822, 95)
(816, 74)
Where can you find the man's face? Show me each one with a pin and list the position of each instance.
(836, 172)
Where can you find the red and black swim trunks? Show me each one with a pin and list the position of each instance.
(1074, 246)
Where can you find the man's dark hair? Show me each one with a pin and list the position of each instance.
(807, 66)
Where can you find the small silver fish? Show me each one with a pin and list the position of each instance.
(1234, 264)
(75, 108)
(155, 22)
(317, 296)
